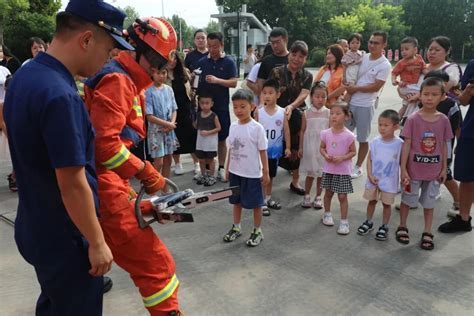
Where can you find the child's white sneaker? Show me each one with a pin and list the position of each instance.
(221, 175)
(327, 219)
(356, 172)
(318, 203)
(306, 202)
(343, 229)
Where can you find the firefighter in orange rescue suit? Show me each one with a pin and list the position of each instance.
(115, 100)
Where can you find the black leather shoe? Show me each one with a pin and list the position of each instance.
(107, 284)
(296, 190)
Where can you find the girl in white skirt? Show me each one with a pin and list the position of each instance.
(337, 149)
(314, 121)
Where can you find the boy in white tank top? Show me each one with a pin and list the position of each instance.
(275, 122)
(383, 172)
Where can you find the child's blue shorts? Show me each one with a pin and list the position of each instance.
(251, 192)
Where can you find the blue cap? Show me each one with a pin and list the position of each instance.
(102, 14)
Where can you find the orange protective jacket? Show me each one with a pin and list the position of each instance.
(116, 104)
(114, 116)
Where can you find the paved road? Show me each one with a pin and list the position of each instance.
(301, 268)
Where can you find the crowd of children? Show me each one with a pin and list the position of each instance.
(415, 163)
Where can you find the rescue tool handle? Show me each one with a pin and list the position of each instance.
(141, 221)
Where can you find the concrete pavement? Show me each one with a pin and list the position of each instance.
(301, 267)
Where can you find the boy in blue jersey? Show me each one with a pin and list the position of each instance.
(275, 122)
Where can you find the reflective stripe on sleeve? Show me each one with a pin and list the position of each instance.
(163, 294)
(136, 106)
(118, 159)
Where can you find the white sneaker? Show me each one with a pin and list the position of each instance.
(221, 175)
(356, 172)
(306, 202)
(197, 169)
(318, 203)
(327, 219)
(178, 169)
(343, 229)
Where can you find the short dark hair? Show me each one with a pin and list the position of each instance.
(439, 73)
(299, 46)
(410, 40)
(243, 94)
(318, 85)
(381, 33)
(249, 46)
(34, 40)
(391, 115)
(198, 31)
(442, 41)
(433, 82)
(204, 95)
(216, 36)
(68, 22)
(357, 36)
(279, 31)
(272, 83)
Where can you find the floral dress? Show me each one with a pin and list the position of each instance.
(160, 102)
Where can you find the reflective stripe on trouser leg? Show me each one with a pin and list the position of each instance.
(163, 294)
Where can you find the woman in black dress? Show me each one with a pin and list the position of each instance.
(179, 80)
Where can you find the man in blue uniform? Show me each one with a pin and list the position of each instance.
(219, 74)
(51, 143)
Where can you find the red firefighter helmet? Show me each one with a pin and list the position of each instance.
(156, 33)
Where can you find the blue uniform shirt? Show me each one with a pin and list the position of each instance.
(223, 68)
(467, 128)
(48, 128)
(192, 59)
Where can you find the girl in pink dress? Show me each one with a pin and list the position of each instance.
(337, 149)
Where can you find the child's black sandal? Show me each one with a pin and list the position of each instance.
(427, 244)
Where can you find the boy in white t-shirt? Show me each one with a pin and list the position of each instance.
(247, 153)
(275, 122)
(383, 172)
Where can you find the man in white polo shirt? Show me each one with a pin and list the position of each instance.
(373, 72)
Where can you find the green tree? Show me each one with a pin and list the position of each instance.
(212, 26)
(452, 18)
(344, 25)
(366, 18)
(36, 18)
(7, 9)
(132, 15)
(306, 20)
(183, 31)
